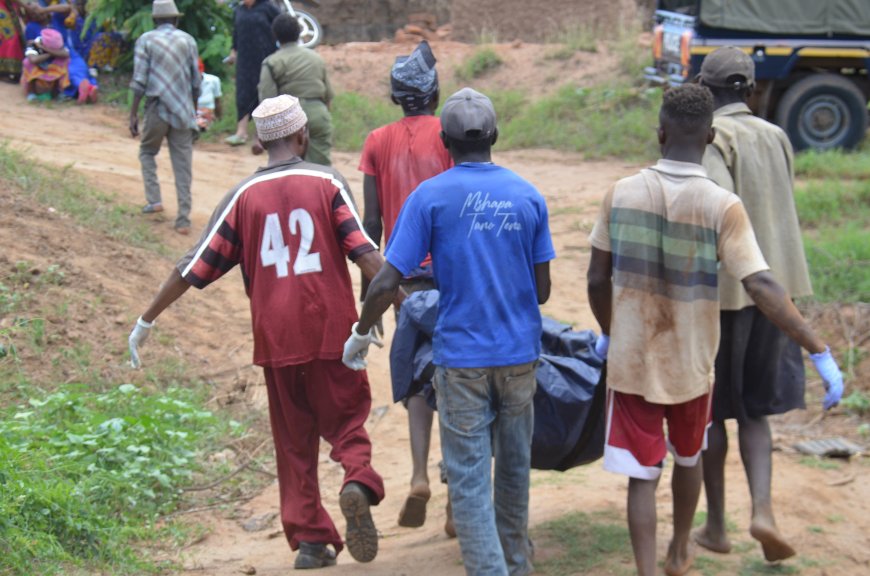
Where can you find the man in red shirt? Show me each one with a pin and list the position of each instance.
(289, 227)
(396, 158)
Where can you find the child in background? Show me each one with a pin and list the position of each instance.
(208, 107)
(45, 67)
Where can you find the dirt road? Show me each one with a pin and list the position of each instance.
(829, 524)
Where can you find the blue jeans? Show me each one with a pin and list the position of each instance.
(486, 413)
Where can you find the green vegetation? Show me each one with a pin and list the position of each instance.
(88, 461)
(579, 37)
(479, 63)
(67, 192)
(584, 541)
(857, 403)
(834, 164)
(833, 202)
(209, 22)
(354, 116)
(839, 261)
(599, 122)
(709, 566)
(85, 474)
(819, 463)
(92, 457)
(756, 566)
(834, 208)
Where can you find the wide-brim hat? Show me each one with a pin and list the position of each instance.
(165, 9)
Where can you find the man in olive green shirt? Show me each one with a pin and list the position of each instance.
(759, 371)
(300, 72)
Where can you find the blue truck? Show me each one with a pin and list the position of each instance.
(811, 59)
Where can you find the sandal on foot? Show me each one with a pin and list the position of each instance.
(362, 536)
(235, 140)
(413, 514)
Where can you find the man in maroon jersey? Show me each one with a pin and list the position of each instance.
(396, 158)
(289, 227)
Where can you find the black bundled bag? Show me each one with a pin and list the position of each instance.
(569, 400)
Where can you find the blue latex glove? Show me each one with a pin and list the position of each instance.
(827, 368)
(357, 346)
(602, 345)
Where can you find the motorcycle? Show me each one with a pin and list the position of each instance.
(311, 33)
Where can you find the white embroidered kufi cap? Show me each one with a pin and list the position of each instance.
(278, 117)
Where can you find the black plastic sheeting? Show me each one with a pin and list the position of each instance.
(569, 401)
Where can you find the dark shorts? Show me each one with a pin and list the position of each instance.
(759, 370)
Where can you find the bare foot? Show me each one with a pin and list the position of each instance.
(715, 543)
(772, 543)
(678, 562)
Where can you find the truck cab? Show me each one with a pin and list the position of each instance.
(811, 60)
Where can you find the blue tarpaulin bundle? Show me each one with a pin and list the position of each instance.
(569, 403)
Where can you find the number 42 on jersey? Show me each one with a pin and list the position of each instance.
(275, 252)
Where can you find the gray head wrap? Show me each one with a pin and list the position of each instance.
(413, 79)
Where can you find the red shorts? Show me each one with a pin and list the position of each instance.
(635, 443)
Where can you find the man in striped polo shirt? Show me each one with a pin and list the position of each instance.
(653, 287)
(289, 227)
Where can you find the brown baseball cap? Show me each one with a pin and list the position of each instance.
(727, 67)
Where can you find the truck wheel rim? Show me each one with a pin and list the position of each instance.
(824, 119)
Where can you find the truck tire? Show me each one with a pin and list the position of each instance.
(823, 111)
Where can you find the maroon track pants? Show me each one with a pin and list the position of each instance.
(307, 401)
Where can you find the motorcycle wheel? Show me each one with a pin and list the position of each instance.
(311, 33)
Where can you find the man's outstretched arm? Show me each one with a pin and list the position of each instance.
(171, 290)
(383, 291)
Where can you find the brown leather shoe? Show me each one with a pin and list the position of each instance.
(183, 230)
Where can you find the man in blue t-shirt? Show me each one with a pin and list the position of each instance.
(487, 231)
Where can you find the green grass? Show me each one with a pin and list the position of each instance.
(832, 202)
(584, 542)
(355, 115)
(90, 462)
(833, 205)
(839, 262)
(819, 463)
(857, 403)
(577, 37)
(86, 474)
(835, 164)
(67, 192)
(755, 567)
(709, 566)
(599, 122)
(481, 61)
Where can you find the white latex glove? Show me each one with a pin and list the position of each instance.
(357, 346)
(827, 368)
(138, 337)
(602, 345)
